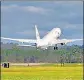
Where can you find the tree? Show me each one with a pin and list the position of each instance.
(62, 60)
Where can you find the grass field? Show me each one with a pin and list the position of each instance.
(43, 72)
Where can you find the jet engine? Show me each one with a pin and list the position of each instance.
(62, 43)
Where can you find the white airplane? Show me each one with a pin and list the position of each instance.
(50, 40)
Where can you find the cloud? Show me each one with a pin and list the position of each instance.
(68, 3)
(26, 32)
(8, 7)
(32, 9)
(68, 10)
(73, 26)
(19, 18)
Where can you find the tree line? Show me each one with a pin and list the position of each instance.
(66, 54)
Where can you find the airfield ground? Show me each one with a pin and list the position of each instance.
(43, 72)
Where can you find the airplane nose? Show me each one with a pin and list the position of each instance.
(58, 30)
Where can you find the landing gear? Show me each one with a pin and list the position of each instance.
(55, 48)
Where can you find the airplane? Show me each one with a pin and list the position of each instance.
(49, 40)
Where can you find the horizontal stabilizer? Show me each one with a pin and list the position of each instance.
(27, 45)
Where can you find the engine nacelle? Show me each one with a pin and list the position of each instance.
(62, 43)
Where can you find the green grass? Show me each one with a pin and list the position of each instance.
(44, 72)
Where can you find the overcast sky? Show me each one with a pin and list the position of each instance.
(18, 18)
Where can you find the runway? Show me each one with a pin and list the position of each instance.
(26, 64)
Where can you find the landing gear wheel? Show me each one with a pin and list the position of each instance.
(56, 48)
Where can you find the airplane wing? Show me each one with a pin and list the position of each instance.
(64, 41)
(21, 40)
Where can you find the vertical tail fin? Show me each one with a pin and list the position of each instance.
(37, 33)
